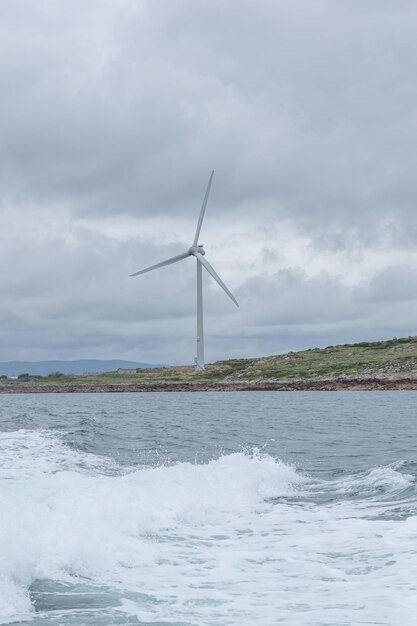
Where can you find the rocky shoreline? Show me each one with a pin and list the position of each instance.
(346, 383)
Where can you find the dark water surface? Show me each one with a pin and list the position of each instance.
(209, 508)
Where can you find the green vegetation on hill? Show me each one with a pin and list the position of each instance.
(395, 358)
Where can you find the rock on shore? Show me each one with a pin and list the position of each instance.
(348, 383)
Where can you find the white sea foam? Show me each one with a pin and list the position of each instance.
(219, 543)
(24, 453)
(374, 483)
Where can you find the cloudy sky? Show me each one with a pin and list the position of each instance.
(114, 113)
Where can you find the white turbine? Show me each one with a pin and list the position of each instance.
(196, 250)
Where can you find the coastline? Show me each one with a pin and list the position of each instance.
(336, 384)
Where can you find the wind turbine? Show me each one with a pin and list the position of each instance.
(196, 250)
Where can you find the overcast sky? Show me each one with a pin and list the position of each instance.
(114, 113)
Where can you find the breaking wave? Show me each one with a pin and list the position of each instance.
(215, 543)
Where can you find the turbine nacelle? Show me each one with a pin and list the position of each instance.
(197, 250)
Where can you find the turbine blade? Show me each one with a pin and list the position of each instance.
(203, 209)
(173, 259)
(216, 277)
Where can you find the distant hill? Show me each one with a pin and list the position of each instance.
(82, 366)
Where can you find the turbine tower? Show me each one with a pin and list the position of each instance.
(196, 250)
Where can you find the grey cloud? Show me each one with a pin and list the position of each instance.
(76, 297)
(395, 284)
(305, 110)
(304, 113)
(290, 310)
(290, 297)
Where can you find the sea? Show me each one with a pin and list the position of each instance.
(209, 509)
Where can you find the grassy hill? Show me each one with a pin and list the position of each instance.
(395, 358)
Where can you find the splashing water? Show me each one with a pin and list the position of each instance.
(241, 538)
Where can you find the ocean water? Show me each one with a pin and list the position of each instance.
(209, 509)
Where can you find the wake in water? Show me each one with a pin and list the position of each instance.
(242, 539)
